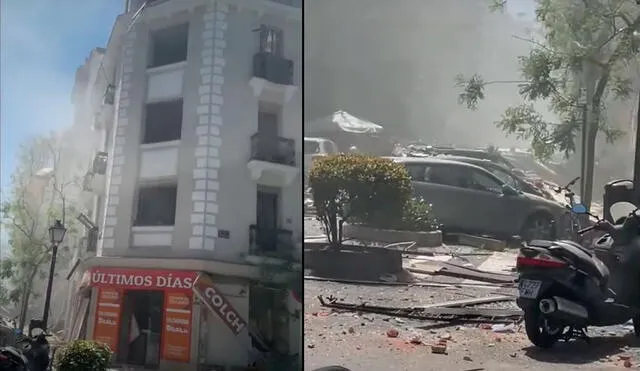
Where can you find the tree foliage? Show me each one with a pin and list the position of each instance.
(586, 45)
(41, 192)
(363, 188)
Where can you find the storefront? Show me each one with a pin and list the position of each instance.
(178, 320)
(145, 316)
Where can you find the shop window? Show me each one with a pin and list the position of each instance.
(269, 316)
(169, 45)
(141, 328)
(163, 122)
(156, 205)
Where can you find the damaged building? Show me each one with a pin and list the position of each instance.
(196, 225)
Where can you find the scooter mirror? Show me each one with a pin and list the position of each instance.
(579, 209)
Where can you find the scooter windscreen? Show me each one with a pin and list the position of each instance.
(621, 210)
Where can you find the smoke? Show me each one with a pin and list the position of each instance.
(42, 43)
(395, 63)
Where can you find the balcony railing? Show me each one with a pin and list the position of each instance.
(270, 242)
(273, 68)
(293, 3)
(277, 150)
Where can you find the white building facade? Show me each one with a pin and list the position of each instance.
(199, 209)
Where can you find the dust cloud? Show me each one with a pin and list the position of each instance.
(395, 62)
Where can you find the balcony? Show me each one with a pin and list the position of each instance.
(271, 243)
(95, 180)
(293, 3)
(272, 78)
(273, 160)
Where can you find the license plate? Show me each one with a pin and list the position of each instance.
(529, 289)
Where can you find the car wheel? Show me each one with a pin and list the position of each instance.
(538, 226)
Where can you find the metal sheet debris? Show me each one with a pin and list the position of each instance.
(469, 315)
(453, 270)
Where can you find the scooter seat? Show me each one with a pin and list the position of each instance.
(578, 255)
(583, 261)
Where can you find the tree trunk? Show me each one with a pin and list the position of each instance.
(28, 286)
(24, 306)
(593, 122)
(587, 197)
(636, 162)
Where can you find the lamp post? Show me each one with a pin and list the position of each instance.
(56, 235)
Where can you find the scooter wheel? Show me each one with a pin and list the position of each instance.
(539, 331)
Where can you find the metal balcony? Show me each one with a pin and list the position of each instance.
(272, 161)
(273, 68)
(293, 3)
(272, 78)
(274, 243)
(277, 150)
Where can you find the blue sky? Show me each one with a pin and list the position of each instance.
(42, 44)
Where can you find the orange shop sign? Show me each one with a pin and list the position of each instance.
(108, 317)
(142, 279)
(176, 336)
(218, 304)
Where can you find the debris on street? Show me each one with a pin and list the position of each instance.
(470, 302)
(445, 314)
(458, 271)
(485, 243)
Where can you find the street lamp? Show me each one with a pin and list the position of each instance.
(56, 235)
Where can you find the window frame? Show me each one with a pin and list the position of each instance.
(145, 123)
(150, 185)
(153, 45)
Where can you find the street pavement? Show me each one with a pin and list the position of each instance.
(360, 341)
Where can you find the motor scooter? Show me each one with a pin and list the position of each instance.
(563, 287)
(31, 354)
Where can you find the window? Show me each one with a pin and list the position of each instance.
(268, 315)
(156, 205)
(416, 172)
(271, 40)
(505, 177)
(169, 45)
(444, 175)
(482, 182)
(163, 122)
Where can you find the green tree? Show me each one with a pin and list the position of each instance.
(580, 62)
(41, 192)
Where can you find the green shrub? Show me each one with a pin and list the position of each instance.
(365, 189)
(83, 355)
(417, 216)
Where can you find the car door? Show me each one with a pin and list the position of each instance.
(441, 183)
(487, 208)
(437, 195)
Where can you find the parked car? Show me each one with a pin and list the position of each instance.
(316, 147)
(510, 177)
(469, 198)
(466, 152)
